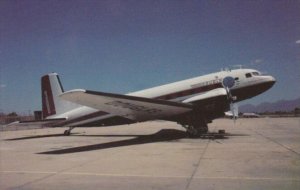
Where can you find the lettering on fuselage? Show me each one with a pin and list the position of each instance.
(206, 83)
(133, 107)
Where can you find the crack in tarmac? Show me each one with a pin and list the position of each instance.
(278, 143)
(197, 165)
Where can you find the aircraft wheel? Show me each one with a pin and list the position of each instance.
(67, 133)
(196, 132)
(192, 133)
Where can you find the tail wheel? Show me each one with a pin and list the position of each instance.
(67, 132)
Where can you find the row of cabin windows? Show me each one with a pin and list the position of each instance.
(248, 75)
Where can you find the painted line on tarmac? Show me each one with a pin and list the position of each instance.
(150, 176)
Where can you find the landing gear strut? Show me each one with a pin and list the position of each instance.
(68, 131)
(195, 125)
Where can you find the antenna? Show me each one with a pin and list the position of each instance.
(227, 69)
(237, 66)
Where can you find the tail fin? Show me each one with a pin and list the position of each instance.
(52, 105)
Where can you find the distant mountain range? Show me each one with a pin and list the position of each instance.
(281, 105)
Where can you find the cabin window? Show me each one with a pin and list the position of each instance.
(236, 78)
(248, 75)
(255, 73)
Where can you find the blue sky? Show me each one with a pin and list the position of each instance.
(122, 46)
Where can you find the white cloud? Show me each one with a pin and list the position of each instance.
(297, 42)
(257, 61)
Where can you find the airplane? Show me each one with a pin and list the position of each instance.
(251, 115)
(192, 103)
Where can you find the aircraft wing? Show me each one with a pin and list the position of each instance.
(131, 107)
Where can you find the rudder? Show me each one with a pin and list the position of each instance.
(51, 88)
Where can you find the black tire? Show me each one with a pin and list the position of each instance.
(67, 133)
(198, 133)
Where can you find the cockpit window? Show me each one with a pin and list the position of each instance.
(255, 73)
(248, 75)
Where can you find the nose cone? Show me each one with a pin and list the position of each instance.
(272, 80)
(269, 81)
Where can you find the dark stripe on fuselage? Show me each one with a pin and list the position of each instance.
(189, 92)
(82, 118)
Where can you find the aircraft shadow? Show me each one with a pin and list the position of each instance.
(161, 136)
(214, 135)
(36, 137)
(211, 135)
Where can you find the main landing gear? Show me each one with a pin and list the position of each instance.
(194, 131)
(195, 127)
(195, 124)
(68, 131)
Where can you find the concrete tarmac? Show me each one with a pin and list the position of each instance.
(262, 153)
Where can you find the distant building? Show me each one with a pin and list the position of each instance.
(38, 115)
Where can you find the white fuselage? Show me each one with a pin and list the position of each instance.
(181, 90)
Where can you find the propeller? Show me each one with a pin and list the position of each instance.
(228, 83)
(235, 111)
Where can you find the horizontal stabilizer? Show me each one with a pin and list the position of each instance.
(45, 122)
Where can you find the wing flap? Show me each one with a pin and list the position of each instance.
(132, 107)
(204, 97)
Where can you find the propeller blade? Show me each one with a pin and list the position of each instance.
(235, 110)
(228, 83)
